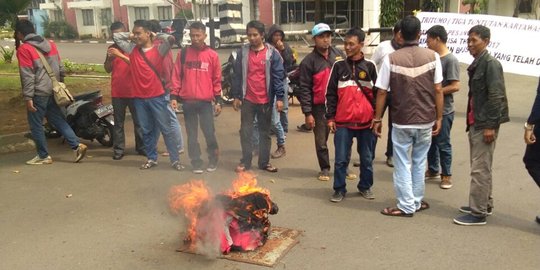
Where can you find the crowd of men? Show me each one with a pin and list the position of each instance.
(340, 92)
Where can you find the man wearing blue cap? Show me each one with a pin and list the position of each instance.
(314, 73)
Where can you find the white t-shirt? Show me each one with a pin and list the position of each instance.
(383, 49)
(383, 83)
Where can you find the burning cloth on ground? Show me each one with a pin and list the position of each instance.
(236, 220)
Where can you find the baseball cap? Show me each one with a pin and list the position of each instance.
(320, 29)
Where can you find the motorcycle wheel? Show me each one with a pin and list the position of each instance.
(107, 138)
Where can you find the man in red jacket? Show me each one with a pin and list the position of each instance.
(117, 63)
(350, 107)
(196, 82)
(150, 77)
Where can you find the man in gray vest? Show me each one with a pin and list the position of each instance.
(414, 76)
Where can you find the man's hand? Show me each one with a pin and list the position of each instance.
(437, 128)
(280, 46)
(529, 136)
(331, 126)
(279, 105)
(113, 52)
(310, 121)
(174, 104)
(236, 104)
(30, 106)
(489, 135)
(376, 127)
(217, 109)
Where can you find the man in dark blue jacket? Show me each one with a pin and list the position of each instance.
(532, 153)
(257, 62)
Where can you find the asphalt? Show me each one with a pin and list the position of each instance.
(105, 214)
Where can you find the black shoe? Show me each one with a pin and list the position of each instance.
(337, 197)
(356, 164)
(303, 128)
(538, 219)
(468, 210)
(117, 156)
(470, 220)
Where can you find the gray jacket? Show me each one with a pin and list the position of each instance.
(488, 93)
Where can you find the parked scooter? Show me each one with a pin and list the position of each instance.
(89, 118)
(294, 81)
(226, 79)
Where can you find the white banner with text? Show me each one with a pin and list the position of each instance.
(514, 41)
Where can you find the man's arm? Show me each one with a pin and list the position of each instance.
(332, 98)
(496, 93)
(216, 77)
(277, 73)
(305, 89)
(452, 75)
(166, 43)
(121, 40)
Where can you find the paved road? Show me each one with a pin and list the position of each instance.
(118, 218)
(95, 53)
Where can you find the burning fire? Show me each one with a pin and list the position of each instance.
(233, 220)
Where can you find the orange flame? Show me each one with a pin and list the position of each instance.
(189, 197)
(245, 184)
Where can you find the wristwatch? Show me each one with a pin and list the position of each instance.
(528, 127)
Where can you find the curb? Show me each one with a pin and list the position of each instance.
(17, 142)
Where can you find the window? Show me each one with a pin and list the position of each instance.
(142, 13)
(57, 15)
(297, 11)
(525, 6)
(106, 17)
(165, 13)
(88, 17)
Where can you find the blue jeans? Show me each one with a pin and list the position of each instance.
(154, 117)
(410, 153)
(46, 107)
(343, 140)
(284, 114)
(276, 127)
(441, 149)
(200, 113)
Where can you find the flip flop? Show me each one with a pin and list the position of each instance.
(423, 206)
(270, 168)
(395, 212)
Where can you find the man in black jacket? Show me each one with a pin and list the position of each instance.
(532, 153)
(314, 73)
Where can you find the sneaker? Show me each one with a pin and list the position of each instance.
(367, 194)
(432, 175)
(470, 220)
(468, 210)
(178, 166)
(80, 152)
(337, 197)
(446, 182)
(303, 128)
(197, 171)
(324, 175)
(390, 162)
(40, 161)
(280, 152)
(211, 167)
(350, 176)
(149, 164)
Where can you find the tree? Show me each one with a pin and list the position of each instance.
(432, 5)
(390, 12)
(9, 9)
(477, 6)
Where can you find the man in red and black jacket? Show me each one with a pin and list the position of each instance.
(350, 107)
(314, 73)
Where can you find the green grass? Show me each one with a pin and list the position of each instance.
(69, 67)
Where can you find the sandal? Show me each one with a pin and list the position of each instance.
(270, 168)
(423, 206)
(240, 168)
(395, 212)
(149, 164)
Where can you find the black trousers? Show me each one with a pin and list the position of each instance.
(321, 132)
(263, 112)
(532, 158)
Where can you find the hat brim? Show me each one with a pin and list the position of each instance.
(328, 31)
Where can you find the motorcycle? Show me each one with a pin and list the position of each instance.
(89, 118)
(294, 81)
(226, 79)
